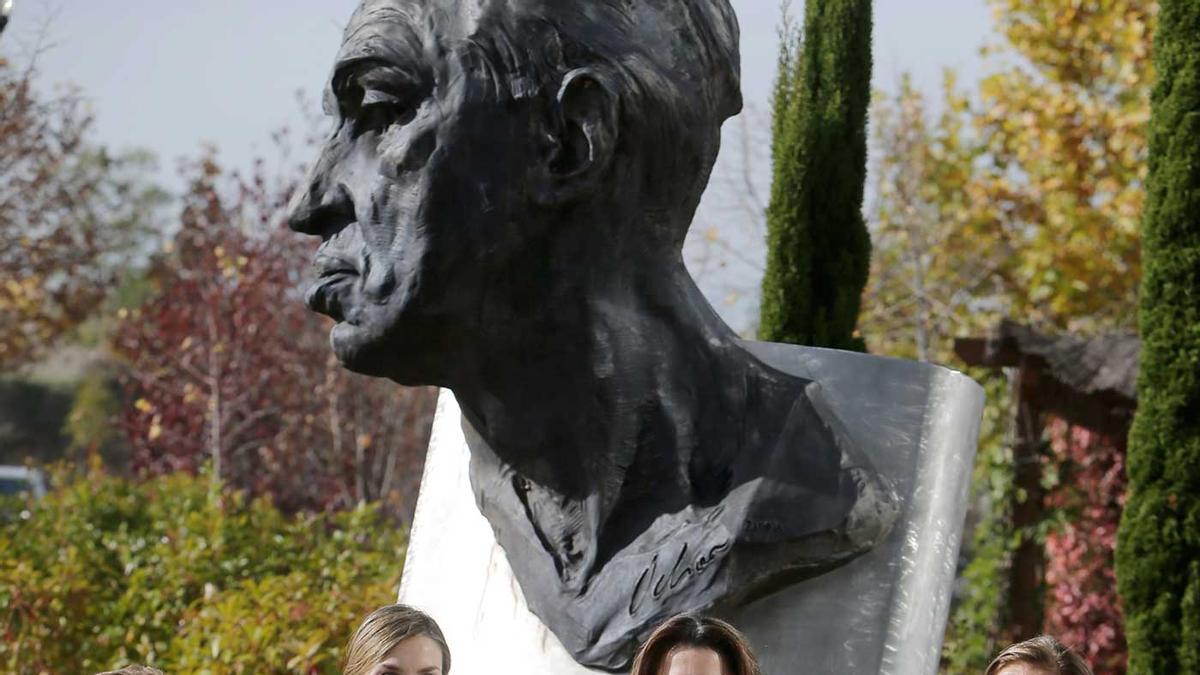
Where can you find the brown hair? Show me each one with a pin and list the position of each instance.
(687, 630)
(1044, 652)
(385, 628)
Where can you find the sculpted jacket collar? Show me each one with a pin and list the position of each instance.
(793, 516)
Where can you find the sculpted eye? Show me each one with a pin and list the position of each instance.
(373, 97)
(380, 110)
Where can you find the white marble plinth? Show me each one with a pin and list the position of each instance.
(883, 613)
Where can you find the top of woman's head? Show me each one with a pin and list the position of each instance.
(1041, 653)
(695, 632)
(383, 630)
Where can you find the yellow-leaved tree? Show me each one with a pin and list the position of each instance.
(1022, 199)
(1060, 184)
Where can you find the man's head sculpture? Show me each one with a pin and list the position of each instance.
(485, 140)
(503, 206)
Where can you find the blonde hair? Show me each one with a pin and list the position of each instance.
(1044, 652)
(688, 630)
(385, 628)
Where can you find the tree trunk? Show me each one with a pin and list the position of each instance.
(214, 400)
(1028, 571)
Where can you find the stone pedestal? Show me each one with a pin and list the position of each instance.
(883, 613)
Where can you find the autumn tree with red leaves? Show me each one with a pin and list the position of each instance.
(227, 368)
(71, 215)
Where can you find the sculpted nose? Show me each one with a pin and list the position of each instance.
(321, 207)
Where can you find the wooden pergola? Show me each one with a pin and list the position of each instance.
(1088, 382)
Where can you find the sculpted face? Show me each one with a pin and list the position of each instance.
(424, 178)
(473, 170)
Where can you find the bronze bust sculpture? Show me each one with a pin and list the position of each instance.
(502, 207)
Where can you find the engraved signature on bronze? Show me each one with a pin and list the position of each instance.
(657, 583)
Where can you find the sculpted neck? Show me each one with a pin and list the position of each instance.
(616, 399)
(568, 391)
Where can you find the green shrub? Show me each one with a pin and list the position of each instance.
(1158, 548)
(818, 247)
(106, 571)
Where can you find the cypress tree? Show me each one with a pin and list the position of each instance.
(1158, 550)
(819, 250)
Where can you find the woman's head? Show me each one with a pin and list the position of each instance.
(693, 645)
(1040, 656)
(398, 640)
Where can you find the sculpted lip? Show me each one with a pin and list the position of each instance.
(328, 265)
(335, 277)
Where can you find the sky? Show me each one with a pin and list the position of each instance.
(172, 76)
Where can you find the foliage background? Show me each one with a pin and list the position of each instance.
(72, 215)
(1021, 198)
(107, 571)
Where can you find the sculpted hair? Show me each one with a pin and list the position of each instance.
(1042, 652)
(687, 630)
(385, 628)
(674, 64)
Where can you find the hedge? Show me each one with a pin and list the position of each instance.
(105, 572)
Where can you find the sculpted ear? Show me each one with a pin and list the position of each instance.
(585, 137)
